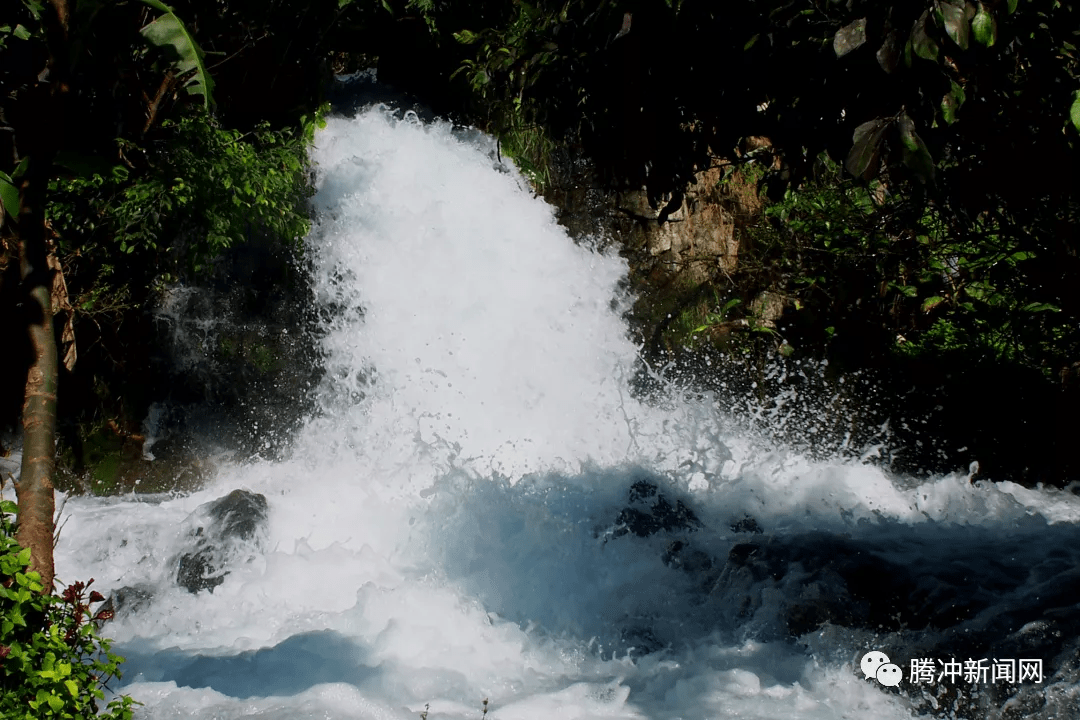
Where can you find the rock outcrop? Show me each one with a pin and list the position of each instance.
(223, 532)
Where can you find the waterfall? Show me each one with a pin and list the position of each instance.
(481, 508)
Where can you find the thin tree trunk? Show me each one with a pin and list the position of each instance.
(39, 136)
(35, 488)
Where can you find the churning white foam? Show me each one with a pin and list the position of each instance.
(437, 535)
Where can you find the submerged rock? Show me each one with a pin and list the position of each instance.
(827, 578)
(223, 531)
(126, 601)
(649, 512)
(746, 524)
(988, 599)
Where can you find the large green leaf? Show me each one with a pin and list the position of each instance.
(931, 302)
(952, 102)
(921, 42)
(9, 197)
(984, 27)
(849, 37)
(169, 33)
(36, 8)
(1074, 112)
(9, 191)
(862, 160)
(955, 21)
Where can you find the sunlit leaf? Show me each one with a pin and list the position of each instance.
(849, 37)
(984, 27)
(9, 196)
(170, 34)
(907, 290)
(20, 169)
(1041, 307)
(36, 8)
(1074, 111)
(955, 21)
(952, 102)
(931, 302)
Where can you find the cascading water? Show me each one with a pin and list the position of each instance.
(480, 509)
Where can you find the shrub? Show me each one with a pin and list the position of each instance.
(53, 663)
(216, 187)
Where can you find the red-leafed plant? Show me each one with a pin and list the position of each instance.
(53, 663)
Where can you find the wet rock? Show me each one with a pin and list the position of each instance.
(129, 599)
(223, 531)
(747, 525)
(767, 308)
(688, 232)
(832, 579)
(682, 557)
(638, 641)
(649, 512)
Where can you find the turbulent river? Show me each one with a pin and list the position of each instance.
(482, 515)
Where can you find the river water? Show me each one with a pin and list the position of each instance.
(482, 509)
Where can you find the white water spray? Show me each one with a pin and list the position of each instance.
(441, 532)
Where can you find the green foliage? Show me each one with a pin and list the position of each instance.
(12, 29)
(186, 58)
(971, 106)
(426, 8)
(53, 663)
(213, 186)
(530, 147)
(502, 64)
(718, 314)
(856, 255)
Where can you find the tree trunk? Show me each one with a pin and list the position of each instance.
(38, 134)
(35, 488)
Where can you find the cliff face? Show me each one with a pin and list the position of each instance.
(678, 246)
(694, 234)
(691, 235)
(691, 261)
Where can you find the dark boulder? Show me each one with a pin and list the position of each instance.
(827, 578)
(649, 512)
(222, 531)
